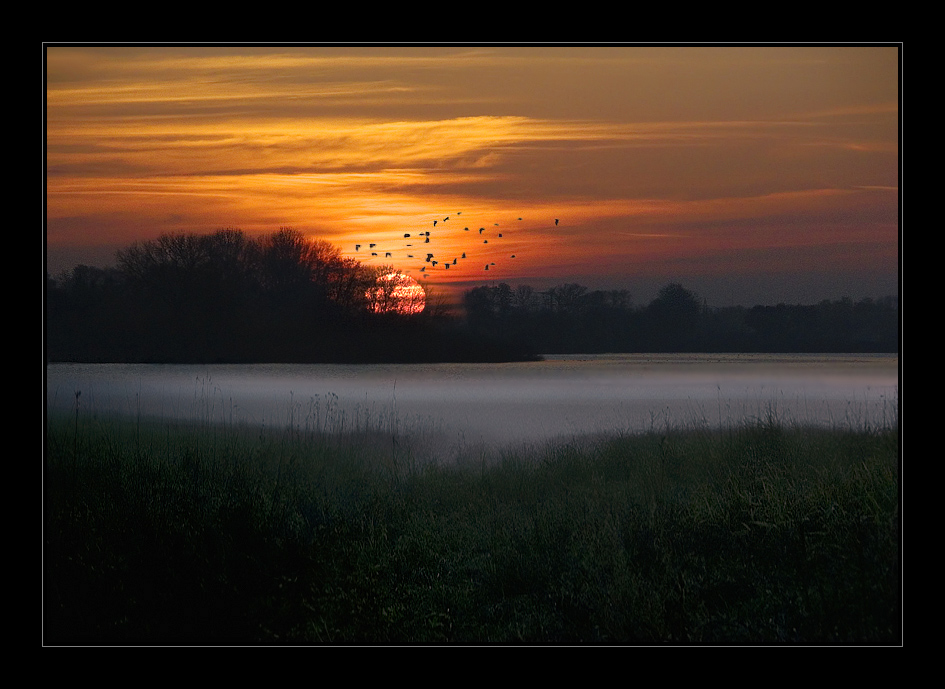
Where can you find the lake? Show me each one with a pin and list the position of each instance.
(497, 404)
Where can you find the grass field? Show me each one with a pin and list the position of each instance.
(157, 533)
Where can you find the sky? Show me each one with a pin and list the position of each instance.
(750, 174)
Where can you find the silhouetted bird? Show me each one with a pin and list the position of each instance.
(426, 241)
(357, 246)
(464, 255)
(481, 229)
(387, 255)
(500, 234)
(485, 241)
(556, 221)
(371, 246)
(429, 256)
(406, 235)
(434, 223)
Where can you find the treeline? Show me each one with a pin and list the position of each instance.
(227, 298)
(570, 318)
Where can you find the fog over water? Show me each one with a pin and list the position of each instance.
(496, 404)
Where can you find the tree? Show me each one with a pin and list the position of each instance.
(674, 318)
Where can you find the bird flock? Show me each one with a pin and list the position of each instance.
(421, 247)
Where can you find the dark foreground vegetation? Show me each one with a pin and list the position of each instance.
(761, 534)
(226, 298)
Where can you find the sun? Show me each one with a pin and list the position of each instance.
(396, 293)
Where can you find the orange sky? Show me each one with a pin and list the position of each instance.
(749, 174)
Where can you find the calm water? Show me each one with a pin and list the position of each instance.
(497, 403)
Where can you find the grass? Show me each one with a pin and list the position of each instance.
(163, 534)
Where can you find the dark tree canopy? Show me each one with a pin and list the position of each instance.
(226, 297)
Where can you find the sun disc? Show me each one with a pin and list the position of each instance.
(396, 293)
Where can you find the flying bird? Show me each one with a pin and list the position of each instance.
(357, 246)
(556, 222)
(387, 255)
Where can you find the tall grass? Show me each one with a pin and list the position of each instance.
(158, 533)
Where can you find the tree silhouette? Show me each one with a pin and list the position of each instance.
(673, 319)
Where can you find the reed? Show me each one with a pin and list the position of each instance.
(163, 533)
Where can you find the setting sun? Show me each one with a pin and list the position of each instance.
(396, 293)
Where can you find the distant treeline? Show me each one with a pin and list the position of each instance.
(227, 298)
(571, 318)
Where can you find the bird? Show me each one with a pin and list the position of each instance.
(406, 234)
(481, 229)
(426, 241)
(500, 234)
(429, 256)
(485, 241)
(357, 246)
(464, 255)
(434, 223)
(387, 255)
(487, 266)
(371, 246)
(556, 221)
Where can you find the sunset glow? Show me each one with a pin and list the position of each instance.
(750, 174)
(397, 293)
